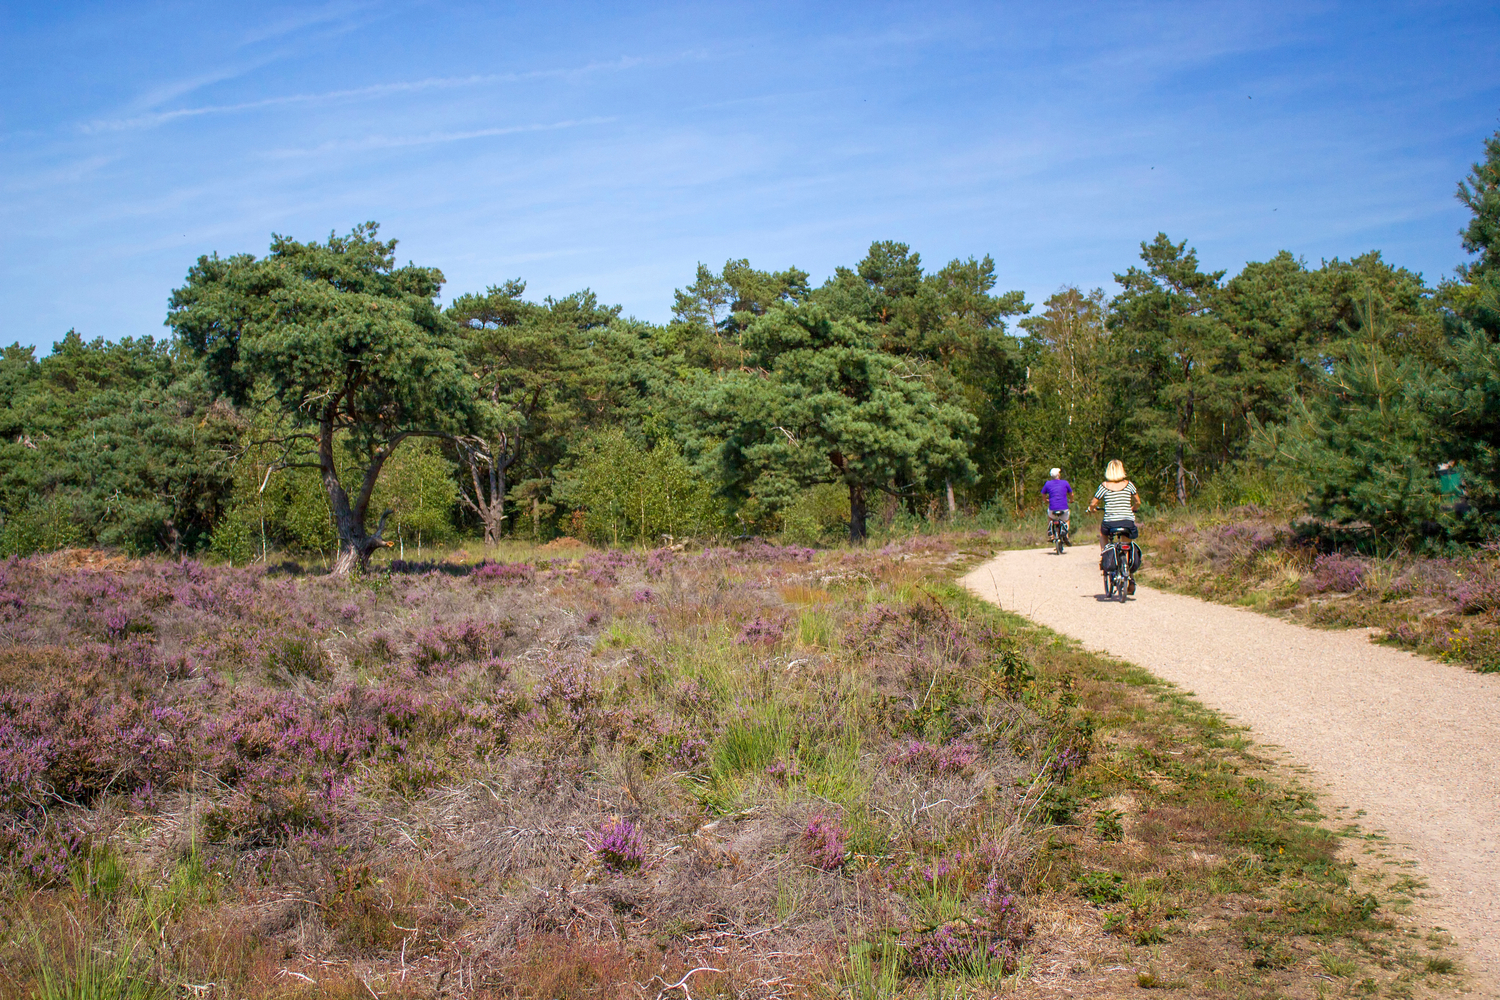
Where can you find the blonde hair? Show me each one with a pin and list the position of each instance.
(1115, 471)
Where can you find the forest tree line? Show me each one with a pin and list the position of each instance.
(320, 399)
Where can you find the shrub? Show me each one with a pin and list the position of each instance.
(1479, 592)
(816, 514)
(299, 656)
(504, 574)
(618, 845)
(1337, 572)
(626, 492)
(937, 952)
(45, 524)
(416, 485)
(917, 755)
(824, 839)
(761, 632)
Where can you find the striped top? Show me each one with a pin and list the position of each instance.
(1117, 505)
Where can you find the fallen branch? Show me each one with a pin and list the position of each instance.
(681, 984)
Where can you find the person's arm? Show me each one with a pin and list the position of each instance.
(1135, 499)
(1094, 503)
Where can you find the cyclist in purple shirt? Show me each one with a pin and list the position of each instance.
(1058, 492)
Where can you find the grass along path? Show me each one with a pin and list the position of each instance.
(1413, 743)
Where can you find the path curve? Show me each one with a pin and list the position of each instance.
(1412, 742)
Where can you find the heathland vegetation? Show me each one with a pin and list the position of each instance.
(763, 772)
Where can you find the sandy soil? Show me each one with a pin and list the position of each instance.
(1413, 743)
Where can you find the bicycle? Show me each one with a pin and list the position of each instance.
(1119, 580)
(1057, 529)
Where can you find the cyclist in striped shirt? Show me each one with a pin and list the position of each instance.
(1120, 500)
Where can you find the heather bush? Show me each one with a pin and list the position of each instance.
(298, 655)
(458, 642)
(761, 632)
(938, 952)
(824, 841)
(618, 845)
(917, 755)
(568, 692)
(1478, 591)
(504, 574)
(1337, 572)
(658, 561)
(683, 750)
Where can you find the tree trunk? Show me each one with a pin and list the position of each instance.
(857, 513)
(355, 544)
(487, 466)
(494, 511)
(1185, 421)
(952, 505)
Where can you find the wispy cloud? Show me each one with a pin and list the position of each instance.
(377, 90)
(431, 138)
(65, 174)
(331, 12)
(164, 92)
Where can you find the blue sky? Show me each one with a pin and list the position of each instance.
(614, 146)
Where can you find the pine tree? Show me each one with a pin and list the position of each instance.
(1364, 443)
(818, 402)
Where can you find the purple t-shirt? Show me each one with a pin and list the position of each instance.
(1056, 491)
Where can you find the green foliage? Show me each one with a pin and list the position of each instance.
(115, 444)
(821, 403)
(950, 320)
(1399, 400)
(1269, 485)
(1068, 417)
(541, 382)
(47, 523)
(815, 514)
(290, 513)
(1167, 339)
(1480, 192)
(722, 305)
(628, 493)
(287, 509)
(295, 379)
(417, 485)
(347, 350)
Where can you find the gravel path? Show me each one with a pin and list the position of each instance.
(1413, 743)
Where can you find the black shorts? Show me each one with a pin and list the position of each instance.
(1108, 528)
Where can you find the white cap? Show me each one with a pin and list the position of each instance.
(1055, 473)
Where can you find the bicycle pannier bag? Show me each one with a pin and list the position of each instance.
(1107, 559)
(1135, 558)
